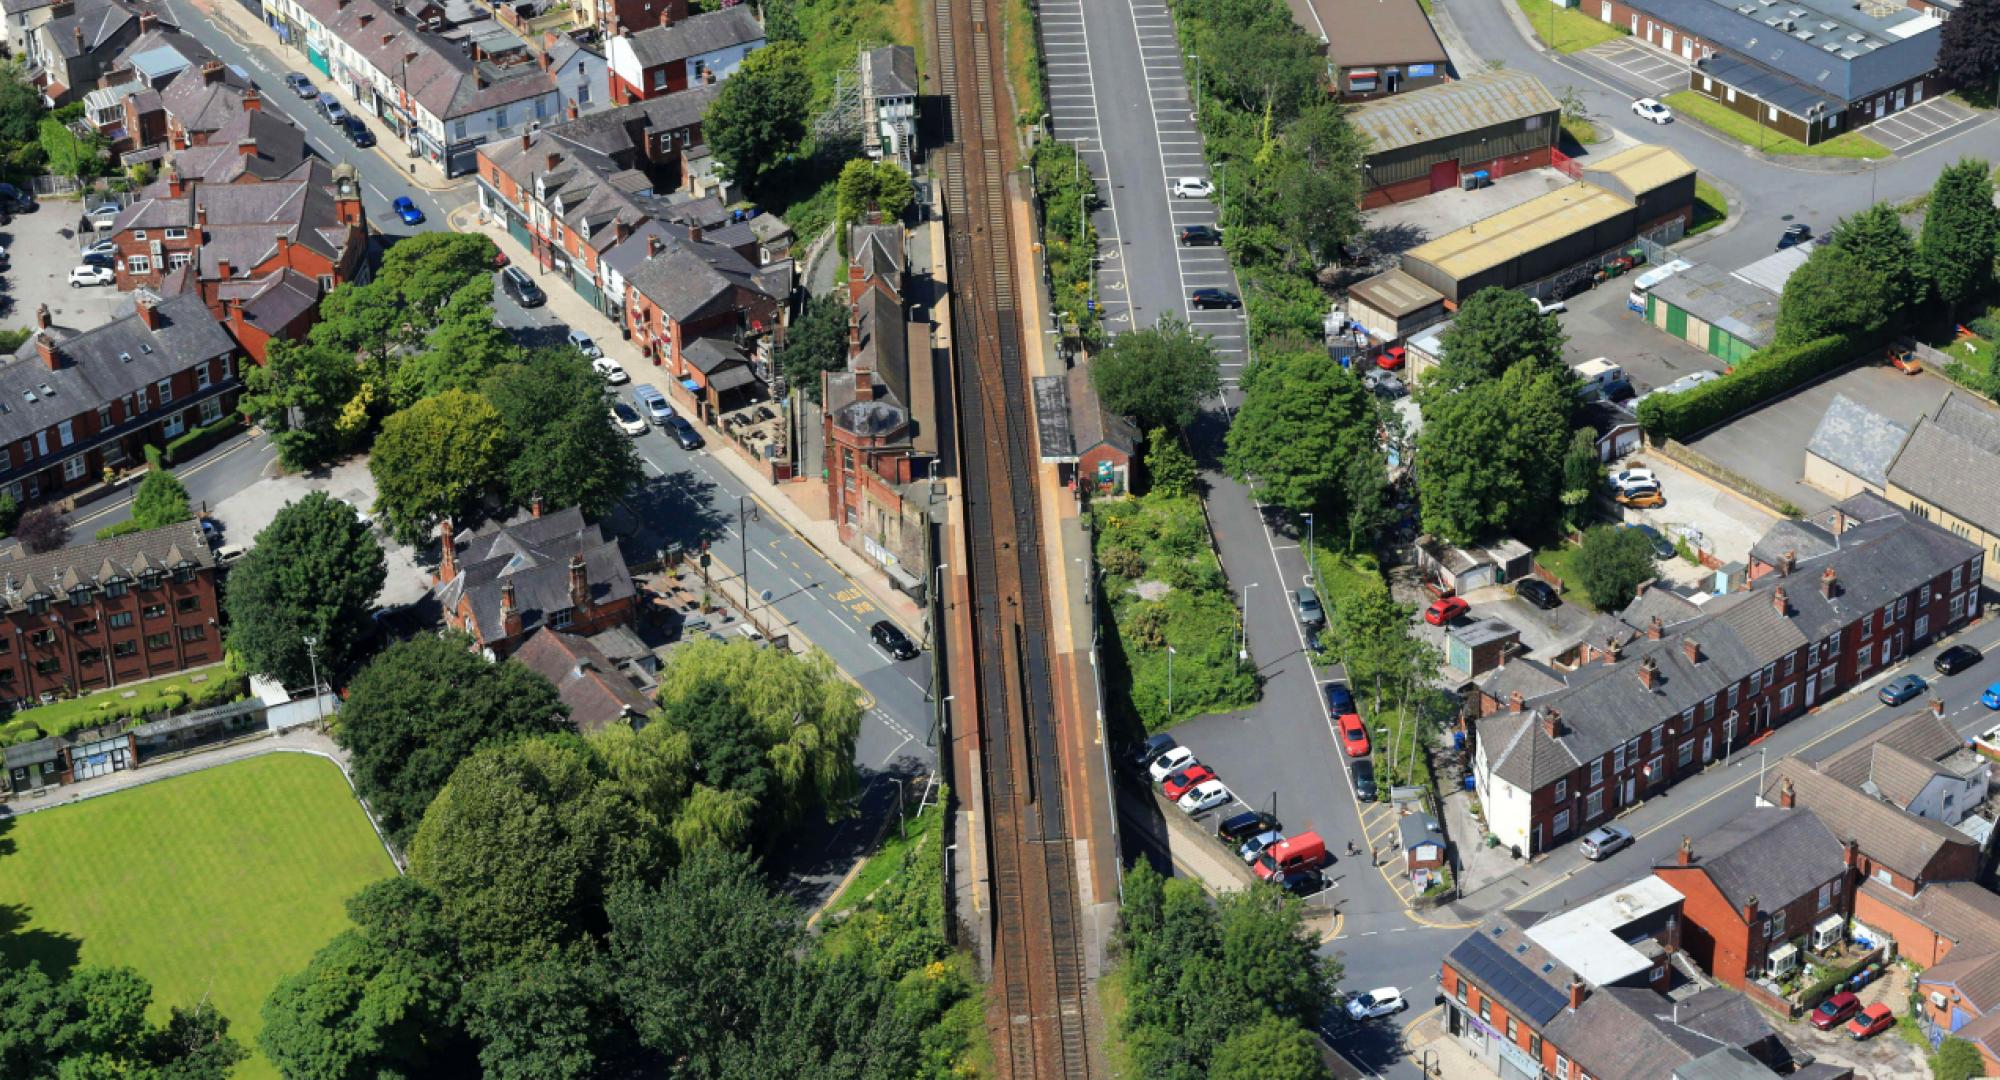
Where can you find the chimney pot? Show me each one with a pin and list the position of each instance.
(535, 506)
(527, 141)
(1691, 649)
(1780, 601)
(211, 72)
(571, 111)
(1649, 673)
(42, 318)
(1750, 910)
(1829, 583)
(1515, 702)
(510, 616)
(252, 101)
(246, 147)
(653, 247)
(1654, 629)
(1853, 857)
(222, 269)
(553, 160)
(579, 585)
(45, 346)
(1685, 856)
(1614, 650)
(1552, 723)
(447, 551)
(1787, 797)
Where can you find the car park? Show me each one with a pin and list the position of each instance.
(90, 275)
(652, 404)
(581, 342)
(1442, 612)
(1237, 828)
(1381, 1001)
(1171, 762)
(1203, 299)
(1306, 851)
(1205, 796)
(892, 640)
(1353, 735)
(627, 419)
(301, 85)
(1339, 699)
(406, 209)
(1794, 235)
(1899, 690)
(1955, 659)
(1648, 109)
(1258, 844)
(1604, 841)
(1306, 603)
(1153, 747)
(1186, 780)
(1362, 770)
(1871, 1021)
(1835, 1010)
(517, 284)
(1192, 187)
(1200, 236)
(357, 131)
(684, 434)
(1539, 593)
(612, 370)
(1991, 697)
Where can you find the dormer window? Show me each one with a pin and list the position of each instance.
(38, 604)
(149, 579)
(79, 596)
(116, 588)
(184, 572)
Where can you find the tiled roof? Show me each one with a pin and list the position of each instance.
(1965, 913)
(1950, 460)
(1858, 439)
(1531, 678)
(892, 71)
(273, 301)
(244, 220)
(1769, 853)
(105, 364)
(280, 149)
(99, 22)
(597, 693)
(1901, 841)
(1503, 961)
(446, 82)
(1627, 1033)
(533, 554)
(697, 35)
(1974, 972)
(53, 574)
(1922, 734)
(1883, 553)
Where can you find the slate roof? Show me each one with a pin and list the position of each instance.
(446, 82)
(55, 573)
(597, 693)
(202, 103)
(1901, 841)
(1628, 1033)
(1884, 553)
(1531, 677)
(1950, 460)
(273, 301)
(280, 149)
(689, 279)
(878, 250)
(1858, 439)
(244, 220)
(1770, 853)
(99, 20)
(533, 554)
(1975, 973)
(95, 367)
(1898, 759)
(1965, 913)
(697, 35)
(892, 71)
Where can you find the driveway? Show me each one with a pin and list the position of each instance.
(44, 246)
(1711, 516)
(1599, 324)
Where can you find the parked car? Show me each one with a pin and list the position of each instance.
(90, 275)
(1955, 659)
(1353, 734)
(627, 420)
(1203, 299)
(1871, 1021)
(1442, 612)
(1200, 236)
(612, 370)
(97, 258)
(1794, 235)
(331, 108)
(1634, 477)
(1603, 842)
(1303, 882)
(1186, 780)
(1192, 187)
(1391, 358)
(1206, 796)
(892, 640)
(1609, 390)
(1258, 844)
(1647, 109)
(15, 201)
(1661, 548)
(1306, 603)
(652, 404)
(1171, 762)
(1899, 690)
(1991, 698)
(406, 208)
(1548, 307)
(1306, 851)
(1538, 592)
(1153, 747)
(1835, 1010)
(357, 132)
(301, 86)
(1641, 499)
(517, 284)
(1237, 828)
(582, 343)
(100, 247)
(1339, 699)
(1384, 384)
(1362, 770)
(1381, 1001)
(685, 434)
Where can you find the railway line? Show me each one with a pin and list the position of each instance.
(1038, 1012)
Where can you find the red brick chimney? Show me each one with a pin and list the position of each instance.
(1787, 797)
(1685, 856)
(447, 551)
(1552, 723)
(45, 345)
(1937, 707)
(653, 247)
(149, 310)
(1829, 583)
(667, 15)
(571, 111)
(1649, 673)
(1654, 629)
(211, 72)
(1750, 911)
(1639, 590)
(1853, 856)
(1515, 702)
(1780, 601)
(1691, 649)
(175, 188)
(77, 32)
(1788, 562)
(1577, 992)
(620, 231)
(284, 249)
(535, 506)
(527, 141)
(246, 147)
(579, 586)
(253, 101)
(1614, 650)
(42, 318)
(222, 269)
(553, 160)
(366, 18)
(147, 20)
(543, 59)
(694, 234)
(510, 616)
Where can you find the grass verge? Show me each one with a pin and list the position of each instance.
(1024, 61)
(220, 684)
(218, 883)
(1735, 125)
(1567, 30)
(1580, 131)
(1561, 561)
(1710, 207)
(1399, 739)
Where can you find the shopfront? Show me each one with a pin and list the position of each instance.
(1494, 1050)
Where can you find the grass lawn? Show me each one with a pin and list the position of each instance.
(1710, 208)
(1560, 562)
(220, 882)
(219, 685)
(1693, 106)
(1573, 30)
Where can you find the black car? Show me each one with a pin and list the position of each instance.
(1363, 771)
(1237, 828)
(1661, 549)
(1339, 699)
(1537, 592)
(15, 201)
(684, 433)
(1304, 882)
(1955, 659)
(892, 640)
(1152, 748)
(99, 258)
(357, 132)
(522, 288)
(1214, 298)
(1794, 235)
(1200, 236)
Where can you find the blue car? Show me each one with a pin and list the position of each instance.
(1898, 691)
(1991, 698)
(407, 210)
(1339, 699)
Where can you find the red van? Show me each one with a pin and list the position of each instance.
(1305, 851)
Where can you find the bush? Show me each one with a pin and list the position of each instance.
(123, 528)
(1758, 379)
(1985, 326)
(201, 438)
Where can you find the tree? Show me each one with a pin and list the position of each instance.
(464, 347)
(161, 500)
(1832, 293)
(1877, 239)
(1495, 329)
(314, 572)
(425, 705)
(781, 20)
(552, 406)
(431, 268)
(547, 1013)
(1320, 187)
(1269, 956)
(1969, 47)
(759, 118)
(1169, 465)
(1303, 415)
(10, 513)
(1157, 376)
(1957, 243)
(1957, 1059)
(298, 393)
(1490, 453)
(93, 1024)
(1272, 1048)
(434, 459)
(1364, 489)
(815, 342)
(1583, 473)
(366, 322)
(865, 187)
(42, 529)
(357, 1010)
(1611, 564)
(21, 108)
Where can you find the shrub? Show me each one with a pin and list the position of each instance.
(201, 438)
(1985, 326)
(120, 529)
(153, 456)
(1758, 379)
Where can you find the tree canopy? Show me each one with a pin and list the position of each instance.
(298, 394)
(161, 500)
(1303, 416)
(1960, 227)
(1495, 329)
(93, 1024)
(867, 187)
(1877, 239)
(42, 529)
(758, 119)
(1489, 457)
(314, 572)
(1969, 46)
(1611, 564)
(434, 459)
(815, 342)
(1832, 293)
(552, 407)
(1320, 180)
(1159, 375)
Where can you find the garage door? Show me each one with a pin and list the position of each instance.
(1677, 322)
(1696, 333)
(1444, 176)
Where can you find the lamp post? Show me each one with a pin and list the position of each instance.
(1309, 548)
(743, 519)
(312, 658)
(1170, 682)
(902, 825)
(1196, 57)
(1243, 625)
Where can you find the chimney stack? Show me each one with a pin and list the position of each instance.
(1614, 650)
(652, 247)
(367, 17)
(447, 551)
(1654, 628)
(1787, 797)
(42, 318)
(1639, 590)
(149, 309)
(175, 188)
(571, 111)
(553, 160)
(1515, 702)
(1577, 992)
(246, 147)
(1788, 562)
(1853, 856)
(1780, 601)
(1691, 649)
(544, 59)
(284, 249)
(621, 231)
(527, 142)
(201, 217)
(77, 32)
(535, 506)
(1937, 707)
(579, 585)
(222, 269)
(1649, 673)
(667, 16)
(694, 234)
(1552, 723)
(1685, 856)
(1750, 911)
(1829, 583)
(147, 20)
(510, 616)
(45, 345)
(253, 101)
(211, 72)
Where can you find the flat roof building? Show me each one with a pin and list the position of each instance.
(1716, 312)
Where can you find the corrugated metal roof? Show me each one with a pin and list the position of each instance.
(1644, 168)
(1513, 233)
(1772, 271)
(1436, 112)
(1720, 299)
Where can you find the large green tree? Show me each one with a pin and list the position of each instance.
(1583, 473)
(422, 707)
(1303, 417)
(161, 500)
(865, 187)
(1159, 375)
(1832, 293)
(1960, 227)
(1877, 239)
(758, 120)
(21, 107)
(298, 393)
(815, 342)
(314, 572)
(551, 407)
(464, 347)
(1489, 457)
(92, 1024)
(430, 268)
(1320, 180)
(434, 460)
(1494, 330)
(1169, 467)
(1968, 52)
(1272, 1048)
(1611, 564)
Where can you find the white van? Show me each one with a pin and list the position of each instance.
(1636, 299)
(1597, 374)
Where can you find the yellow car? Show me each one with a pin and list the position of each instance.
(1641, 500)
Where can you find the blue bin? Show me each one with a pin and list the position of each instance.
(1471, 782)
(1458, 740)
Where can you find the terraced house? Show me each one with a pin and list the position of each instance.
(1667, 687)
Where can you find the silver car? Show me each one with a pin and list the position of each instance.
(1255, 846)
(1604, 842)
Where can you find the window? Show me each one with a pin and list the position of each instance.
(66, 433)
(44, 636)
(1562, 790)
(1535, 1046)
(83, 626)
(660, 79)
(177, 234)
(458, 130)
(1924, 597)
(1756, 684)
(1513, 1031)
(103, 417)
(326, 283)
(1825, 895)
(37, 604)
(175, 424)
(1597, 772)
(1687, 753)
(155, 611)
(48, 667)
(1956, 573)
(1902, 607)
(1561, 826)
(163, 391)
(90, 656)
(149, 579)
(158, 641)
(201, 380)
(1778, 924)
(1687, 718)
(1657, 739)
(1882, 876)
(184, 573)
(1790, 661)
(1732, 696)
(193, 633)
(187, 604)
(1785, 697)
(73, 468)
(1618, 759)
(500, 116)
(138, 234)
(122, 649)
(1593, 805)
(79, 596)
(1772, 113)
(1812, 654)
(114, 588)
(121, 620)
(583, 92)
(560, 619)
(1562, 1067)
(178, 259)
(1485, 1009)
(1708, 707)
(138, 264)
(1729, 93)
(211, 410)
(1461, 990)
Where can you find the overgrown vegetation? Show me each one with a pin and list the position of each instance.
(1069, 239)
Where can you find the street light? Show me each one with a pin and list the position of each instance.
(743, 520)
(1309, 547)
(312, 657)
(1170, 682)
(1196, 57)
(1243, 632)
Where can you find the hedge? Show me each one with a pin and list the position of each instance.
(1760, 378)
(201, 438)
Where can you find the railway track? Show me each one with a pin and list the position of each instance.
(1038, 1012)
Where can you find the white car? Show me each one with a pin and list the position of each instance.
(1255, 846)
(1647, 109)
(360, 515)
(1192, 187)
(90, 275)
(102, 217)
(1381, 1001)
(611, 370)
(1550, 308)
(1634, 478)
(1205, 796)
(627, 419)
(1169, 763)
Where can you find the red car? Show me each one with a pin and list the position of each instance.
(1353, 735)
(1183, 781)
(1873, 1020)
(1445, 610)
(1390, 359)
(1834, 1010)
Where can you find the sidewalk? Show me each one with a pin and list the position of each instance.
(786, 502)
(297, 740)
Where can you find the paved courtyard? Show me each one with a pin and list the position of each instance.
(44, 248)
(1599, 324)
(246, 513)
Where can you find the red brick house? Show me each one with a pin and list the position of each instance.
(598, 691)
(501, 583)
(1898, 850)
(309, 221)
(1754, 885)
(681, 288)
(678, 51)
(1929, 926)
